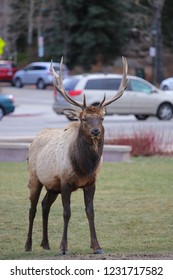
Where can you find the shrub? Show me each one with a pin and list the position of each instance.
(145, 143)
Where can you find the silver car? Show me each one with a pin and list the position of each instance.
(37, 73)
(141, 98)
(167, 84)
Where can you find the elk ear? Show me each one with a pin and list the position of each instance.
(71, 114)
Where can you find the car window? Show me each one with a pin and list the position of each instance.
(103, 84)
(70, 83)
(94, 84)
(111, 84)
(38, 67)
(136, 85)
(35, 67)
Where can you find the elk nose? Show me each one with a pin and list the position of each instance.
(95, 131)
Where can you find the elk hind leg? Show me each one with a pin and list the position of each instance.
(35, 190)
(48, 200)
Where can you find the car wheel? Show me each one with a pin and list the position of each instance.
(69, 114)
(18, 83)
(72, 119)
(41, 84)
(141, 117)
(165, 111)
(1, 113)
(165, 87)
(97, 104)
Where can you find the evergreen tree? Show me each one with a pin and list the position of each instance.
(167, 23)
(85, 32)
(94, 32)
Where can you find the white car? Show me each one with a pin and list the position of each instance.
(141, 98)
(37, 73)
(167, 84)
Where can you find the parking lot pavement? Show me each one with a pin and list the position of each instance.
(34, 112)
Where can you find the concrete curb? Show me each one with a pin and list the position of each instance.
(16, 150)
(18, 139)
(13, 152)
(116, 153)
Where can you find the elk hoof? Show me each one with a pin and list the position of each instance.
(98, 252)
(45, 245)
(28, 246)
(64, 252)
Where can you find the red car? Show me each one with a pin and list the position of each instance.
(7, 70)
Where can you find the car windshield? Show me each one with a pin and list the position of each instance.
(70, 83)
(5, 65)
(57, 68)
(28, 67)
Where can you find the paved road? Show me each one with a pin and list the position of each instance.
(34, 112)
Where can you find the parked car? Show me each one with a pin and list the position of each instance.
(7, 70)
(167, 84)
(6, 104)
(37, 73)
(141, 98)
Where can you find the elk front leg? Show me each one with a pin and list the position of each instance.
(48, 200)
(65, 194)
(89, 208)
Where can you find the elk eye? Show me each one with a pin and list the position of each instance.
(83, 119)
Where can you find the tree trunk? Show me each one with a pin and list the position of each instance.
(30, 23)
(157, 6)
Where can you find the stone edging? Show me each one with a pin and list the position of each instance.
(16, 150)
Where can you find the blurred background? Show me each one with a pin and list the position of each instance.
(91, 35)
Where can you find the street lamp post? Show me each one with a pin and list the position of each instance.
(152, 52)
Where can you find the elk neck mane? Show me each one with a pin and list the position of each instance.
(86, 154)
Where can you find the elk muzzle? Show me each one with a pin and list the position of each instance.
(95, 132)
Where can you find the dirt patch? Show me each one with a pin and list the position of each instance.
(113, 257)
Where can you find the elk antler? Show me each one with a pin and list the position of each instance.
(121, 89)
(58, 83)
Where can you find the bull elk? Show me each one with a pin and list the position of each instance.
(64, 160)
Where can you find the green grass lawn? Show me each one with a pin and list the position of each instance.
(133, 211)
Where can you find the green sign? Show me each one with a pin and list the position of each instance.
(2, 45)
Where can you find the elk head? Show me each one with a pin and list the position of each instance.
(91, 117)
